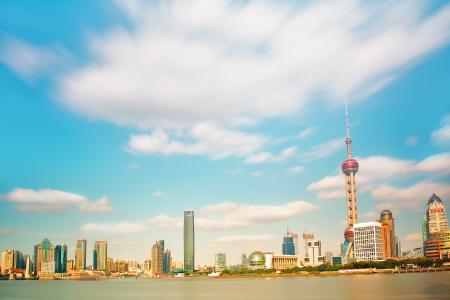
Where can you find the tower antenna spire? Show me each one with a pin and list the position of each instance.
(348, 139)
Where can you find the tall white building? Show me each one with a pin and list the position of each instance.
(313, 253)
(368, 241)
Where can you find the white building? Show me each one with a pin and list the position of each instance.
(313, 253)
(368, 241)
(268, 258)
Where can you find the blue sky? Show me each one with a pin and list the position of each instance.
(117, 116)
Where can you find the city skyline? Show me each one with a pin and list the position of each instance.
(95, 149)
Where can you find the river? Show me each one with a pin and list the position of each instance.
(376, 286)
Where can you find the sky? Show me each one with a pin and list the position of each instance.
(115, 117)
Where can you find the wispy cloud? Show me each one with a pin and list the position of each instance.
(55, 201)
(233, 239)
(412, 141)
(295, 169)
(414, 237)
(325, 149)
(257, 174)
(159, 194)
(226, 215)
(360, 47)
(306, 133)
(5, 230)
(441, 136)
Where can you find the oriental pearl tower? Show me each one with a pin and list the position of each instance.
(349, 167)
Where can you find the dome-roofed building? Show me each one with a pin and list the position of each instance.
(436, 232)
(257, 260)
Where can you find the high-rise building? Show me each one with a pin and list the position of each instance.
(387, 234)
(167, 261)
(44, 257)
(436, 215)
(70, 265)
(294, 236)
(80, 255)
(398, 247)
(147, 266)
(157, 258)
(307, 237)
(328, 257)
(350, 167)
(100, 255)
(28, 267)
(220, 262)
(58, 259)
(189, 241)
(7, 263)
(437, 243)
(244, 262)
(313, 249)
(288, 246)
(368, 241)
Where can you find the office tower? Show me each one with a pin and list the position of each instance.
(328, 257)
(288, 247)
(44, 257)
(167, 261)
(220, 262)
(70, 265)
(424, 230)
(64, 258)
(58, 266)
(436, 215)
(368, 241)
(7, 261)
(147, 266)
(100, 254)
(294, 236)
(313, 250)
(350, 167)
(307, 237)
(244, 261)
(388, 234)
(189, 241)
(80, 255)
(398, 247)
(157, 258)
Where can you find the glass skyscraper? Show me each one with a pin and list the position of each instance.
(80, 255)
(100, 255)
(288, 247)
(189, 241)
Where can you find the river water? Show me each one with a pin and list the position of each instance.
(376, 286)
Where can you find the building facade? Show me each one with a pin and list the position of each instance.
(100, 255)
(388, 234)
(44, 253)
(283, 262)
(436, 215)
(313, 249)
(167, 261)
(220, 262)
(80, 255)
(189, 241)
(157, 258)
(60, 259)
(288, 246)
(368, 241)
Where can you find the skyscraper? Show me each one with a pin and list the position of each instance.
(167, 261)
(44, 257)
(157, 258)
(288, 246)
(387, 233)
(307, 237)
(189, 241)
(436, 215)
(294, 236)
(437, 243)
(100, 255)
(349, 167)
(58, 259)
(368, 241)
(220, 262)
(313, 253)
(80, 255)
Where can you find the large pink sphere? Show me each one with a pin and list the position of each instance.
(349, 234)
(349, 166)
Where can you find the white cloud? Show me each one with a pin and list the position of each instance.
(295, 169)
(233, 171)
(205, 139)
(226, 215)
(234, 239)
(257, 174)
(182, 63)
(325, 149)
(261, 157)
(119, 228)
(412, 197)
(28, 60)
(441, 136)
(412, 141)
(306, 133)
(257, 158)
(159, 194)
(223, 207)
(5, 230)
(134, 166)
(414, 237)
(48, 200)
(373, 173)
